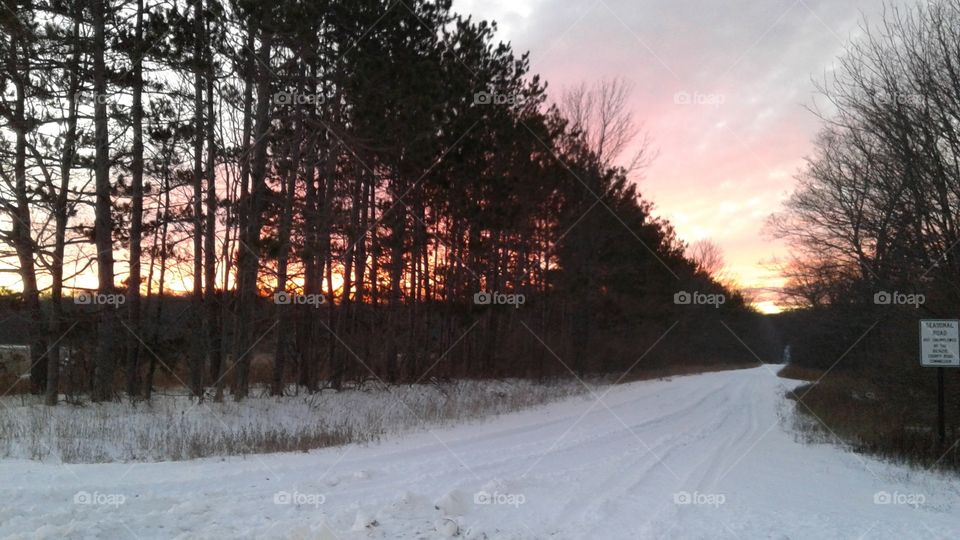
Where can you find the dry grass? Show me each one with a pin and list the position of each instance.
(889, 420)
(174, 427)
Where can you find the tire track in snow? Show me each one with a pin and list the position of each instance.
(717, 431)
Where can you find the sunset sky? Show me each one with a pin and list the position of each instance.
(728, 158)
(722, 89)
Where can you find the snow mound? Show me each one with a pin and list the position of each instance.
(453, 503)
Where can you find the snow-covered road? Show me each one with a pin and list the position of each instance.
(704, 456)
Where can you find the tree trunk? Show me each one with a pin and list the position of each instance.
(136, 211)
(198, 348)
(18, 66)
(249, 295)
(103, 228)
(284, 231)
(60, 219)
(158, 315)
(210, 238)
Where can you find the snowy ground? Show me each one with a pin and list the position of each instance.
(176, 427)
(705, 456)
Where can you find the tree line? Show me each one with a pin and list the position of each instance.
(361, 188)
(873, 224)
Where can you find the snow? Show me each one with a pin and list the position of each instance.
(704, 456)
(176, 427)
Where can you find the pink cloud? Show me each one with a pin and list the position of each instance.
(721, 88)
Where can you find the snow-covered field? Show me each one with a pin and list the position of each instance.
(176, 427)
(704, 456)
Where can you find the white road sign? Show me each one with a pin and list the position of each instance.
(940, 343)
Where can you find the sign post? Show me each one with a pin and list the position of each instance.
(941, 430)
(940, 348)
